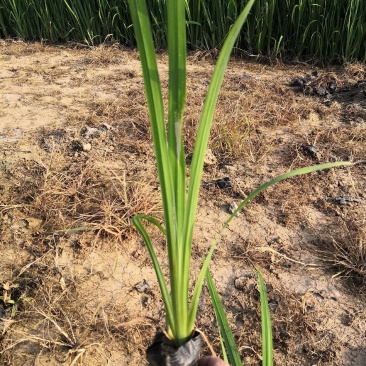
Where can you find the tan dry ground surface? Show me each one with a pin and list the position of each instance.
(76, 151)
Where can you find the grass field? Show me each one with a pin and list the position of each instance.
(317, 30)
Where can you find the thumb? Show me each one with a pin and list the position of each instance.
(211, 361)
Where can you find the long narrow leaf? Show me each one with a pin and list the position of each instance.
(267, 343)
(201, 146)
(140, 17)
(224, 353)
(203, 132)
(142, 26)
(293, 173)
(230, 345)
(177, 100)
(152, 220)
(159, 274)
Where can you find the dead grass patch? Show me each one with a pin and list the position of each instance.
(343, 243)
(79, 194)
(96, 170)
(356, 70)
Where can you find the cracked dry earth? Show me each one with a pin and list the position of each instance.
(76, 152)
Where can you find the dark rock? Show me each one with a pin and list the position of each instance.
(344, 200)
(142, 286)
(309, 150)
(245, 76)
(224, 183)
(321, 91)
(240, 283)
(332, 87)
(298, 82)
(76, 145)
(273, 305)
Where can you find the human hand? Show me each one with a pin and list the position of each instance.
(211, 361)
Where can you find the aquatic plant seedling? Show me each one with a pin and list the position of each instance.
(179, 201)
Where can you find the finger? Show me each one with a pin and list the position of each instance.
(211, 361)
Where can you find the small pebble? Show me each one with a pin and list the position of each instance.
(310, 151)
(90, 132)
(321, 91)
(233, 206)
(142, 286)
(224, 183)
(23, 223)
(240, 283)
(87, 146)
(210, 158)
(76, 145)
(107, 126)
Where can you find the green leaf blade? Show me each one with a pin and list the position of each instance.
(142, 27)
(253, 194)
(176, 104)
(206, 122)
(290, 174)
(159, 274)
(267, 343)
(230, 345)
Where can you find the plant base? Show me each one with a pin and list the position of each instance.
(164, 353)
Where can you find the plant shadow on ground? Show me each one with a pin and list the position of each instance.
(77, 153)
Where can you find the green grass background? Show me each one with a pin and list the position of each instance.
(327, 30)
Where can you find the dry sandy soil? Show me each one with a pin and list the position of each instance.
(77, 163)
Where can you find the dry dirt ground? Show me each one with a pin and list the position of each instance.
(76, 283)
